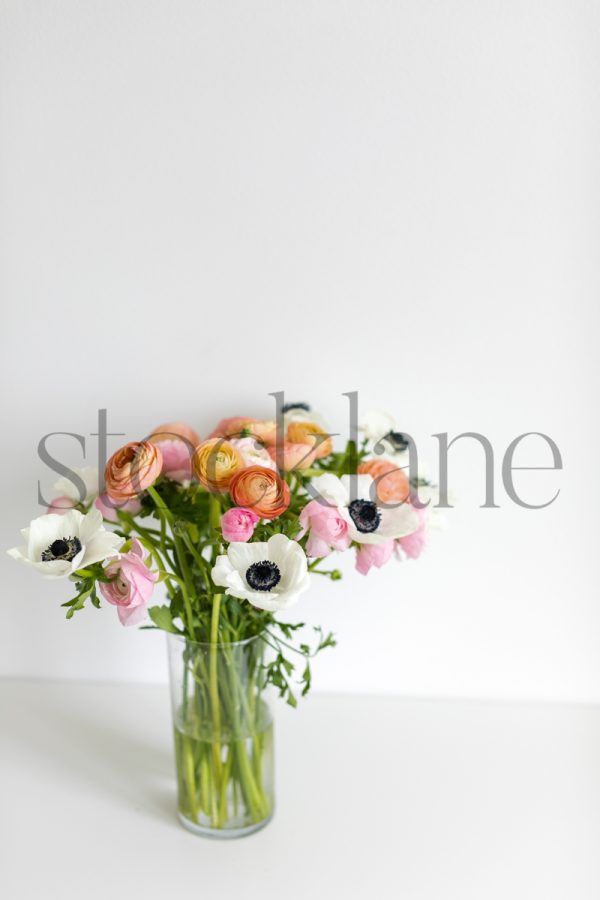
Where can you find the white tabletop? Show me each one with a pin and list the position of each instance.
(382, 797)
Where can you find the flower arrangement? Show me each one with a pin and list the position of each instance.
(233, 527)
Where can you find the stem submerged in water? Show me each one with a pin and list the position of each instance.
(224, 744)
(214, 700)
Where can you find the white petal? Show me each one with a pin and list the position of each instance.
(221, 571)
(42, 532)
(376, 424)
(360, 487)
(242, 555)
(64, 487)
(19, 553)
(279, 547)
(90, 524)
(331, 488)
(54, 568)
(270, 601)
(103, 545)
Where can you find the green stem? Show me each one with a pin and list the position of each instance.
(190, 776)
(214, 686)
(187, 587)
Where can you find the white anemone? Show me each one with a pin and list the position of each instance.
(386, 441)
(300, 413)
(376, 424)
(59, 545)
(270, 575)
(64, 487)
(368, 521)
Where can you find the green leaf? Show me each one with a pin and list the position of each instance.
(291, 700)
(163, 619)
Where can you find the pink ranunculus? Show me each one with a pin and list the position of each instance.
(238, 524)
(177, 442)
(61, 505)
(413, 544)
(109, 507)
(133, 584)
(177, 459)
(368, 555)
(328, 529)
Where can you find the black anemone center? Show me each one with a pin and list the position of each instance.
(365, 515)
(263, 576)
(288, 407)
(398, 440)
(65, 548)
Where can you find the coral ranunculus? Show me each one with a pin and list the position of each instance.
(392, 483)
(290, 456)
(313, 434)
(132, 469)
(261, 490)
(214, 464)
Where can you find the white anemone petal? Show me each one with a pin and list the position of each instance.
(331, 488)
(242, 555)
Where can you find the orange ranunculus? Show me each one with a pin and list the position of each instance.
(234, 426)
(132, 469)
(392, 483)
(214, 464)
(261, 490)
(290, 456)
(310, 433)
(173, 431)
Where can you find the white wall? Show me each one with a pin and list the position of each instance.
(203, 202)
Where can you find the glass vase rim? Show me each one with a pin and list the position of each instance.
(182, 639)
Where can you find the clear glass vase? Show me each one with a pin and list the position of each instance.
(223, 730)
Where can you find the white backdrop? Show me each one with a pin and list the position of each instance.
(204, 202)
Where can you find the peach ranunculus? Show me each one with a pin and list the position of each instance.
(172, 431)
(265, 431)
(132, 469)
(261, 490)
(177, 442)
(234, 426)
(290, 456)
(214, 464)
(313, 434)
(392, 483)
(245, 426)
